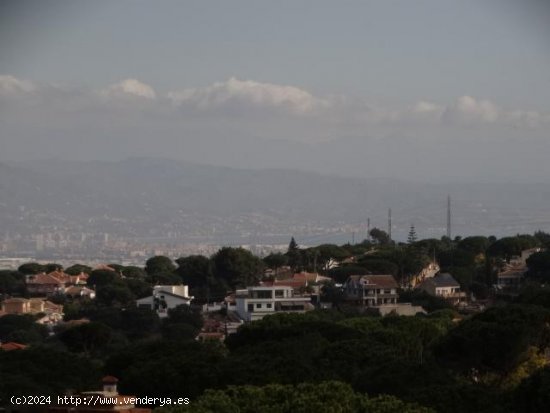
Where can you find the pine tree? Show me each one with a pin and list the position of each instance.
(293, 254)
(412, 235)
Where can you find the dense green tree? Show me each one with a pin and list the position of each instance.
(164, 278)
(53, 266)
(115, 295)
(237, 266)
(379, 266)
(138, 287)
(41, 370)
(135, 323)
(276, 260)
(78, 268)
(158, 265)
(456, 258)
(185, 314)
(496, 340)
(163, 368)
(89, 338)
(423, 299)
(304, 398)
(380, 237)
(539, 266)
(14, 327)
(533, 395)
(476, 245)
(31, 268)
(341, 274)
(331, 251)
(11, 282)
(543, 238)
(99, 278)
(509, 247)
(195, 270)
(134, 272)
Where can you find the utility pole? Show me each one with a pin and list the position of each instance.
(449, 216)
(389, 223)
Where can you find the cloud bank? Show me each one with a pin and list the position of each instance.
(246, 123)
(236, 97)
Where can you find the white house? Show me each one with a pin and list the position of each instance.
(165, 297)
(254, 303)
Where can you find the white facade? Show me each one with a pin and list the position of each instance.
(254, 303)
(165, 297)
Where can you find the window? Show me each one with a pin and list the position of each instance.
(258, 305)
(269, 305)
(250, 308)
(263, 294)
(279, 293)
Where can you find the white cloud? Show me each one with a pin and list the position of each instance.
(241, 101)
(467, 109)
(248, 92)
(10, 85)
(129, 87)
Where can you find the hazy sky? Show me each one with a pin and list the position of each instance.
(423, 89)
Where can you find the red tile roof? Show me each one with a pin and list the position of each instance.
(109, 380)
(11, 345)
(377, 280)
(43, 278)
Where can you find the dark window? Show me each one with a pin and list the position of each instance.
(269, 305)
(250, 308)
(279, 293)
(263, 294)
(258, 305)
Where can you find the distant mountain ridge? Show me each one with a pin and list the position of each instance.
(150, 196)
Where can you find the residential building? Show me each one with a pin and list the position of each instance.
(12, 345)
(511, 277)
(16, 306)
(445, 286)
(51, 313)
(371, 290)
(166, 297)
(254, 303)
(55, 282)
(45, 284)
(79, 291)
(112, 401)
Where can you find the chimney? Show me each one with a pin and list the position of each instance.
(109, 384)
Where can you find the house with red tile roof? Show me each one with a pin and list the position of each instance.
(111, 401)
(52, 313)
(12, 345)
(45, 284)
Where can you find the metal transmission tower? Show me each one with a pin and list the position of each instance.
(449, 216)
(389, 223)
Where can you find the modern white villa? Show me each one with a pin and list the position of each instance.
(254, 303)
(165, 297)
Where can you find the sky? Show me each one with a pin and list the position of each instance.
(428, 90)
